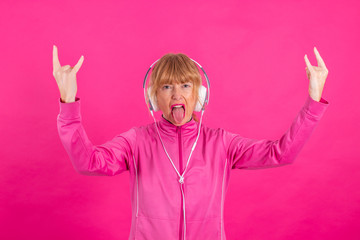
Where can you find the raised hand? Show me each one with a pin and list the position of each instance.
(65, 77)
(316, 75)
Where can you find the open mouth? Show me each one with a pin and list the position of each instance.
(175, 106)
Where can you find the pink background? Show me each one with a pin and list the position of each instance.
(253, 53)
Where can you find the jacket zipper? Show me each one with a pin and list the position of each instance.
(180, 171)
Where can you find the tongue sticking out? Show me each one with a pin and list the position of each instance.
(178, 114)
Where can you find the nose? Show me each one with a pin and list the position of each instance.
(176, 93)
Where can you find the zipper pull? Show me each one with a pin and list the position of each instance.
(181, 180)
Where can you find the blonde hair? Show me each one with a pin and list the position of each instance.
(175, 68)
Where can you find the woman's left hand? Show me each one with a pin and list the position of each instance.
(316, 75)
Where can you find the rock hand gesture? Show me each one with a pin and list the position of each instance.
(65, 77)
(316, 75)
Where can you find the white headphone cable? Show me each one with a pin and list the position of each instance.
(181, 180)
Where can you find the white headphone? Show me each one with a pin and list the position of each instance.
(204, 94)
(199, 104)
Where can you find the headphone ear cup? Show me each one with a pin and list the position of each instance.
(152, 100)
(202, 96)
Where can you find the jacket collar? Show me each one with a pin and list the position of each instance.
(167, 127)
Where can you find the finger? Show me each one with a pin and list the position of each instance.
(64, 68)
(320, 61)
(78, 65)
(308, 64)
(56, 62)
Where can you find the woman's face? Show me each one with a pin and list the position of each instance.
(170, 95)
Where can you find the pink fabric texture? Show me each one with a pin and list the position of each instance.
(156, 194)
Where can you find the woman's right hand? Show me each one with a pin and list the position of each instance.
(65, 77)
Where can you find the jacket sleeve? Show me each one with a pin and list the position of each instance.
(110, 158)
(246, 153)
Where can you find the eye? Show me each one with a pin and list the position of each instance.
(187, 85)
(166, 87)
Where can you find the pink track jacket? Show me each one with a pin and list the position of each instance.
(162, 207)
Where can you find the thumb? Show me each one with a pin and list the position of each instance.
(307, 72)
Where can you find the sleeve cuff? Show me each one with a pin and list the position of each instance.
(70, 110)
(315, 108)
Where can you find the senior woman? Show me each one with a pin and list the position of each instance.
(179, 169)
